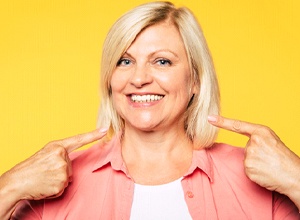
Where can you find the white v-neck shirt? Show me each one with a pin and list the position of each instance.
(159, 202)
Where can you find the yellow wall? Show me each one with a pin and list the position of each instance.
(50, 58)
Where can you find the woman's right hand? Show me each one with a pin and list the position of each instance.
(43, 175)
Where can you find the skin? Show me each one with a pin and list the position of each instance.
(154, 139)
(268, 161)
(44, 175)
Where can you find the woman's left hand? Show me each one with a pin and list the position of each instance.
(268, 161)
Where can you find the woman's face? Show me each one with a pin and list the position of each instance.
(151, 85)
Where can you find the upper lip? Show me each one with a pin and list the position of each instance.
(144, 93)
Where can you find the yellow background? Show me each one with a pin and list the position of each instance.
(50, 62)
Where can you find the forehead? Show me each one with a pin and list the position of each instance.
(163, 35)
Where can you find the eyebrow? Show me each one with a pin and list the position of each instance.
(157, 51)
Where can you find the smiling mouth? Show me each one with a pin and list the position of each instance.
(146, 98)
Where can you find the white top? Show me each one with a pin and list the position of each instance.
(159, 202)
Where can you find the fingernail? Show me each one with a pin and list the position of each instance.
(212, 118)
(103, 130)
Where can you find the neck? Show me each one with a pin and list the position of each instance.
(162, 155)
(155, 142)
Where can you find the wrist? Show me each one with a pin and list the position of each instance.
(292, 183)
(294, 193)
(9, 195)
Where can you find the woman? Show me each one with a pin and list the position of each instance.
(159, 100)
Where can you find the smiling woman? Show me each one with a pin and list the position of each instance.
(140, 58)
(154, 67)
(160, 106)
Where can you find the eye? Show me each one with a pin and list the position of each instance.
(164, 62)
(124, 62)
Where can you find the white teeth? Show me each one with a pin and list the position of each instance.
(145, 98)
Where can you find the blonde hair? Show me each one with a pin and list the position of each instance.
(119, 39)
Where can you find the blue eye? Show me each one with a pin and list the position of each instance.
(164, 62)
(123, 62)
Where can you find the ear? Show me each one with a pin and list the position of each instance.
(195, 88)
(195, 83)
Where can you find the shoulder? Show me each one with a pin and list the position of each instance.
(88, 154)
(221, 151)
(224, 149)
(227, 163)
(222, 162)
(91, 154)
(230, 179)
(85, 161)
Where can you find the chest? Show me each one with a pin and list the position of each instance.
(110, 196)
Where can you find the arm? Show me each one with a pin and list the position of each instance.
(268, 162)
(44, 175)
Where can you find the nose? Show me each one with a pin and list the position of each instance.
(141, 76)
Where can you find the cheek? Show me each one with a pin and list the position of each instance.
(117, 82)
(116, 88)
(116, 100)
(114, 82)
(177, 83)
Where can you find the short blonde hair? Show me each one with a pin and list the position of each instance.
(119, 39)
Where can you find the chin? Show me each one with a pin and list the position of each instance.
(144, 126)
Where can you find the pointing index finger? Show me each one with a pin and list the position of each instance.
(237, 126)
(75, 142)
